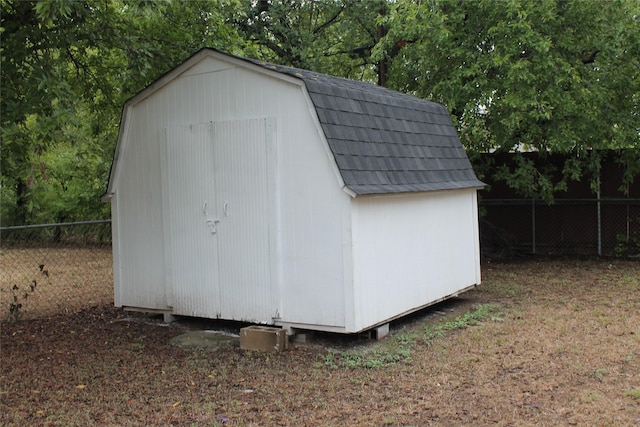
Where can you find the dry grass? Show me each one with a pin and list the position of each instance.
(67, 280)
(561, 346)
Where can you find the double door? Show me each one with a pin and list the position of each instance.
(216, 210)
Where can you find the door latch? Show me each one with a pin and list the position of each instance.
(210, 222)
(212, 225)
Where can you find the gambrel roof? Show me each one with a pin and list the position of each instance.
(382, 141)
(385, 141)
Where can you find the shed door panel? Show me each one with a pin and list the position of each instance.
(189, 203)
(243, 208)
(216, 206)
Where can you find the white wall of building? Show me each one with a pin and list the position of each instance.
(412, 249)
(304, 214)
(227, 203)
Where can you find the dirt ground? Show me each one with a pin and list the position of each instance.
(66, 280)
(560, 346)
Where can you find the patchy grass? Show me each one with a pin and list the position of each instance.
(539, 343)
(398, 347)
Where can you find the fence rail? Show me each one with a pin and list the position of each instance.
(51, 268)
(599, 226)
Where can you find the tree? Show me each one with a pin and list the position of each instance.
(67, 68)
(545, 76)
(550, 76)
(331, 36)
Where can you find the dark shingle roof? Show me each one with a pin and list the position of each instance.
(385, 141)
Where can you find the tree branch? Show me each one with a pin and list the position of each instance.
(329, 21)
(591, 58)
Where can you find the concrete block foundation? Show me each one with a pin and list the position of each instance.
(263, 338)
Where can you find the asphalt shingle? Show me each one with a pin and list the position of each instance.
(385, 141)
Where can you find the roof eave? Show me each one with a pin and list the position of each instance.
(392, 191)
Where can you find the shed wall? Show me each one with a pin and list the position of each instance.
(334, 262)
(308, 213)
(217, 214)
(139, 274)
(411, 250)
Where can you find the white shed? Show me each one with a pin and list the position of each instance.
(249, 191)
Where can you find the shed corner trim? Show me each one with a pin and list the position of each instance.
(349, 191)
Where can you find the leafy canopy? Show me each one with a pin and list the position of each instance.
(67, 67)
(549, 76)
(545, 76)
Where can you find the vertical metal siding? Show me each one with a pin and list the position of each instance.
(217, 211)
(139, 243)
(411, 250)
(116, 240)
(190, 211)
(474, 220)
(312, 219)
(309, 230)
(244, 210)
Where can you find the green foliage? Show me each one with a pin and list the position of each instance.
(626, 247)
(629, 160)
(334, 37)
(67, 68)
(548, 76)
(480, 313)
(633, 393)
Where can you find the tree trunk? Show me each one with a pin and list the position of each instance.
(20, 214)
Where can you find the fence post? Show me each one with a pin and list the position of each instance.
(628, 217)
(599, 223)
(533, 226)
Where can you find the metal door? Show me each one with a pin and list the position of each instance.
(217, 212)
(241, 177)
(191, 221)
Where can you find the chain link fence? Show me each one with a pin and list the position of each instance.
(592, 227)
(54, 268)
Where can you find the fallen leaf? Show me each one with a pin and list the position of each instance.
(81, 386)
